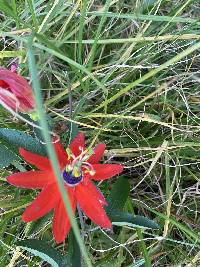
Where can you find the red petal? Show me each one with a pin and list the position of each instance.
(3, 84)
(61, 222)
(79, 141)
(91, 206)
(45, 201)
(95, 192)
(106, 171)
(31, 179)
(61, 154)
(7, 98)
(40, 162)
(98, 153)
(19, 87)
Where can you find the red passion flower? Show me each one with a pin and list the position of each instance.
(78, 166)
(15, 92)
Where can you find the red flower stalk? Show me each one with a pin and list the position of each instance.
(15, 92)
(78, 167)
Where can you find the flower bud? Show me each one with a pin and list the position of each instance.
(15, 92)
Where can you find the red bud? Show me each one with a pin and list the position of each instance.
(15, 92)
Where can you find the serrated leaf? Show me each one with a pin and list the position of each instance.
(13, 139)
(44, 251)
(128, 219)
(118, 195)
(6, 156)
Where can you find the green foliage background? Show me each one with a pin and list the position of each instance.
(126, 73)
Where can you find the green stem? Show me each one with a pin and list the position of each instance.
(51, 151)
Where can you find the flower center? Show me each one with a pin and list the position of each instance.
(74, 172)
(70, 179)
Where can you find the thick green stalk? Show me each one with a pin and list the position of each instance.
(51, 152)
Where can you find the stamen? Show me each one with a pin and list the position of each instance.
(89, 168)
(69, 154)
(69, 168)
(89, 153)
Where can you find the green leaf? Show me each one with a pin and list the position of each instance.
(147, 3)
(116, 202)
(128, 219)
(12, 204)
(7, 9)
(37, 130)
(6, 156)
(53, 9)
(138, 263)
(73, 131)
(44, 251)
(4, 224)
(42, 39)
(74, 253)
(118, 195)
(35, 226)
(13, 139)
(71, 134)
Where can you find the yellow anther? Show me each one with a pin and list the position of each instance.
(76, 172)
(92, 172)
(68, 168)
